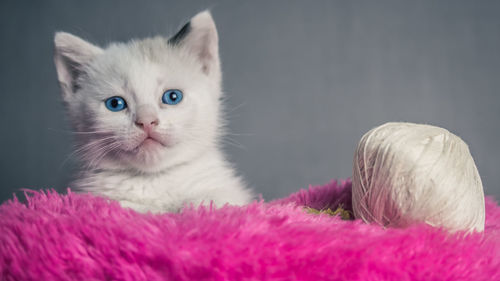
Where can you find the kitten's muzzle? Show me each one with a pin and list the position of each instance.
(147, 124)
(146, 118)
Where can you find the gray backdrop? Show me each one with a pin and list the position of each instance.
(304, 80)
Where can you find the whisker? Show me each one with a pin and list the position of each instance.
(236, 107)
(95, 145)
(78, 132)
(233, 142)
(239, 134)
(99, 154)
(89, 145)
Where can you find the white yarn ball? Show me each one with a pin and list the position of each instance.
(406, 173)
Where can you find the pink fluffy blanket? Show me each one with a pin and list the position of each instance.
(82, 237)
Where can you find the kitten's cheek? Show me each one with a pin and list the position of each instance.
(167, 139)
(171, 140)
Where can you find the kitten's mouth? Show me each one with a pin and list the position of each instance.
(150, 143)
(149, 140)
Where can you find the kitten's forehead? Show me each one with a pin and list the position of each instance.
(152, 49)
(139, 53)
(144, 67)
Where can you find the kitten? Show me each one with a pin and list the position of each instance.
(147, 116)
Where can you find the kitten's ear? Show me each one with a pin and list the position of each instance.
(200, 37)
(71, 55)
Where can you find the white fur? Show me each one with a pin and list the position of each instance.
(188, 166)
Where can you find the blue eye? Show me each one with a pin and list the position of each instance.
(115, 103)
(171, 97)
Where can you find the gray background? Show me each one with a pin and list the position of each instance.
(304, 79)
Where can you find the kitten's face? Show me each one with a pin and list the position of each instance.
(144, 105)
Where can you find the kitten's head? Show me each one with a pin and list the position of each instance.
(143, 105)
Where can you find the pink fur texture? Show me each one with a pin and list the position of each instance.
(82, 237)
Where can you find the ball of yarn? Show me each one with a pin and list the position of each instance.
(407, 173)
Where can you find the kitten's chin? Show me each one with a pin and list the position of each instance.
(146, 157)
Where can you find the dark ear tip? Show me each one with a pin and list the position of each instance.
(180, 35)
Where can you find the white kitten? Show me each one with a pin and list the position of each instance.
(148, 118)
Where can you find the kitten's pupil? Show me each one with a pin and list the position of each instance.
(114, 103)
(173, 96)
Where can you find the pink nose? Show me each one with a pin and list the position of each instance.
(147, 123)
(146, 118)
